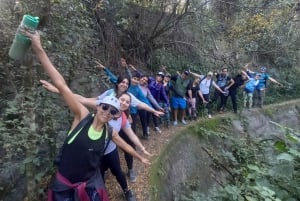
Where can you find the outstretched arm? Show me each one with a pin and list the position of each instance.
(75, 106)
(274, 81)
(88, 102)
(132, 136)
(126, 147)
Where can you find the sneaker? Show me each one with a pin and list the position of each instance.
(157, 130)
(129, 195)
(175, 123)
(145, 137)
(209, 116)
(132, 176)
(183, 121)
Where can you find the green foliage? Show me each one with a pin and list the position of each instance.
(261, 170)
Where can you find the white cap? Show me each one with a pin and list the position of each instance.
(110, 100)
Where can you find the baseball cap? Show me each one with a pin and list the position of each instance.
(160, 74)
(110, 100)
(136, 74)
(168, 75)
(263, 68)
(186, 72)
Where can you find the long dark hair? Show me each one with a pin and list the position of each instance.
(120, 79)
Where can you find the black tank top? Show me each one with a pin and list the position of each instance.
(80, 159)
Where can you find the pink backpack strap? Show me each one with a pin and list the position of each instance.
(124, 119)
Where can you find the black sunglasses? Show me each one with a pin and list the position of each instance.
(112, 111)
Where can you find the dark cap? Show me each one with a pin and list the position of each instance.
(186, 72)
(136, 74)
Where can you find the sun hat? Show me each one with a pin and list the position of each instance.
(110, 100)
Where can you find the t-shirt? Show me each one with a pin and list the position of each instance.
(116, 125)
(250, 85)
(238, 81)
(179, 86)
(263, 81)
(205, 84)
(222, 80)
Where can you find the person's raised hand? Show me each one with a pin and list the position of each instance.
(99, 64)
(35, 39)
(50, 87)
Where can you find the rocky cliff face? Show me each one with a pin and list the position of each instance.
(188, 163)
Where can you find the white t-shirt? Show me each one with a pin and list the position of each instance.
(116, 125)
(205, 84)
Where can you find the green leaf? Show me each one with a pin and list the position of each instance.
(280, 146)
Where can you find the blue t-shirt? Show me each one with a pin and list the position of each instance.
(250, 85)
(263, 81)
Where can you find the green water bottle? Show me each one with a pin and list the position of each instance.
(21, 42)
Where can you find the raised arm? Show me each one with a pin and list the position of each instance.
(195, 75)
(112, 77)
(75, 106)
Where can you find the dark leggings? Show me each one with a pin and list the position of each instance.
(128, 157)
(144, 121)
(207, 105)
(218, 94)
(232, 94)
(134, 121)
(112, 161)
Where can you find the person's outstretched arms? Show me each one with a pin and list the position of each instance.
(58, 81)
(126, 147)
(132, 136)
(112, 77)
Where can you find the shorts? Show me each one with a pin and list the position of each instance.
(178, 103)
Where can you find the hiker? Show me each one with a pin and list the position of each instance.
(121, 125)
(78, 176)
(224, 81)
(251, 84)
(260, 90)
(239, 82)
(167, 109)
(157, 90)
(179, 89)
(205, 83)
(194, 87)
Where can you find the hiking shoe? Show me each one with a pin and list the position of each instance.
(129, 195)
(132, 176)
(145, 137)
(157, 130)
(184, 122)
(175, 123)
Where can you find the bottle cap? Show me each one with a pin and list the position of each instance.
(30, 21)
